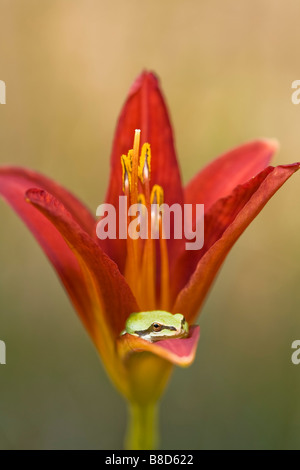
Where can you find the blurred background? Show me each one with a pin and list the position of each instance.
(226, 69)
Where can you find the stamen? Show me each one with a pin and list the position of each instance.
(144, 175)
(135, 165)
(145, 163)
(133, 249)
(157, 195)
(156, 200)
(148, 276)
(141, 263)
(141, 199)
(165, 273)
(143, 211)
(126, 172)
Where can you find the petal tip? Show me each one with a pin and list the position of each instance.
(145, 77)
(273, 144)
(180, 352)
(292, 166)
(32, 195)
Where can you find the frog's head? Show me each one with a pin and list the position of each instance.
(156, 325)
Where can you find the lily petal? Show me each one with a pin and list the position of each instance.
(14, 182)
(144, 109)
(223, 174)
(20, 178)
(226, 221)
(102, 276)
(178, 351)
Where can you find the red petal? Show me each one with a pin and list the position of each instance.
(106, 287)
(227, 220)
(20, 179)
(14, 182)
(144, 109)
(178, 351)
(223, 174)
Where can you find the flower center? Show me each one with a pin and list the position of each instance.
(147, 264)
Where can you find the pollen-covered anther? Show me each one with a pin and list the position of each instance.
(144, 170)
(141, 199)
(156, 200)
(157, 195)
(126, 161)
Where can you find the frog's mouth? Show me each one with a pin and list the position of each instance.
(182, 333)
(149, 335)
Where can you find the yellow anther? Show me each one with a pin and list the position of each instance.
(157, 195)
(156, 200)
(135, 164)
(141, 199)
(130, 154)
(126, 171)
(145, 163)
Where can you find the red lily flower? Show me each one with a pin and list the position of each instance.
(107, 280)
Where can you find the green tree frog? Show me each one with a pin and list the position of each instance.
(156, 325)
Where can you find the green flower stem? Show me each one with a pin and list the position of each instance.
(142, 432)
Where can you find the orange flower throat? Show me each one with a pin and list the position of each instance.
(149, 283)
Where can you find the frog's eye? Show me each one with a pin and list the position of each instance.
(156, 326)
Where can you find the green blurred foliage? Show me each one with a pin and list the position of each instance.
(226, 70)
